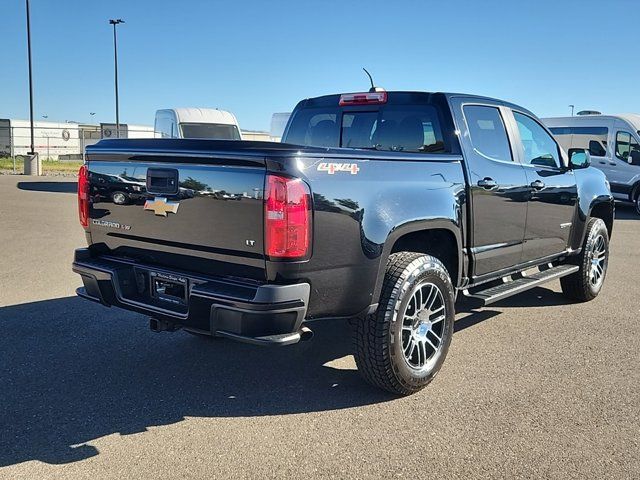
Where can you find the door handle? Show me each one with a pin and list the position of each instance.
(487, 183)
(612, 163)
(537, 185)
(603, 163)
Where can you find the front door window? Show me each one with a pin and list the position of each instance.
(540, 148)
(625, 144)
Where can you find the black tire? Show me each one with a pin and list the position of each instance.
(380, 338)
(580, 285)
(636, 200)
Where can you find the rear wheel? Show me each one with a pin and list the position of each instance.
(586, 283)
(401, 347)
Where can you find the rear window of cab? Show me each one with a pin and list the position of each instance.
(392, 128)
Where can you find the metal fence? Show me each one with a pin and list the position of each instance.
(62, 142)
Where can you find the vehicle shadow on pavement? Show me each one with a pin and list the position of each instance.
(469, 315)
(51, 187)
(73, 371)
(536, 297)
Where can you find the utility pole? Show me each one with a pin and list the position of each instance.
(115, 60)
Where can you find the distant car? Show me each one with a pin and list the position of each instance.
(197, 123)
(119, 189)
(614, 144)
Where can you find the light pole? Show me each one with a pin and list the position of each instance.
(115, 59)
(572, 107)
(32, 151)
(31, 163)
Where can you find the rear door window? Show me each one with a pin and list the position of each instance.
(487, 132)
(393, 128)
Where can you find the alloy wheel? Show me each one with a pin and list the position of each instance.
(598, 261)
(423, 326)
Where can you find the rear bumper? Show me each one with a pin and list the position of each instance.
(247, 311)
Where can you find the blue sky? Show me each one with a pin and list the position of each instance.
(259, 57)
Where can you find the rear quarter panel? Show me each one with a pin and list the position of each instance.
(361, 206)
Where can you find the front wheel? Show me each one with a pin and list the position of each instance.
(586, 283)
(401, 347)
(637, 201)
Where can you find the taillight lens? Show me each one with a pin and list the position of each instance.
(287, 217)
(83, 196)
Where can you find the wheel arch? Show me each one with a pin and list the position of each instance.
(604, 210)
(440, 238)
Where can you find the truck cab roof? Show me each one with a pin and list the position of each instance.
(408, 97)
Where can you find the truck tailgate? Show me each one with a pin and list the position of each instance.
(215, 214)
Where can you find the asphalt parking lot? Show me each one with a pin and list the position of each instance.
(534, 387)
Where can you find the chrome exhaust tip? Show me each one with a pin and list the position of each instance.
(305, 334)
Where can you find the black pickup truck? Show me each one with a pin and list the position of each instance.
(379, 207)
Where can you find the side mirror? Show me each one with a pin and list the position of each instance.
(579, 158)
(634, 157)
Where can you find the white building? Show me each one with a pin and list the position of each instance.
(57, 140)
(51, 139)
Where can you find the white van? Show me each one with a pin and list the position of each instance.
(197, 123)
(614, 144)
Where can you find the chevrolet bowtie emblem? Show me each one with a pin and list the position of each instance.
(160, 206)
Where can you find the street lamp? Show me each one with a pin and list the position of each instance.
(31, 164)
(31, 152)
(572, 107)
(115, 58)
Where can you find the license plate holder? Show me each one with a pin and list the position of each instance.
(169, 288)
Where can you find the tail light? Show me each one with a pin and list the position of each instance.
(83, 196)
(363, 98)
(287, 218)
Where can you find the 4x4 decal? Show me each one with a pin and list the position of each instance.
(332, 168)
